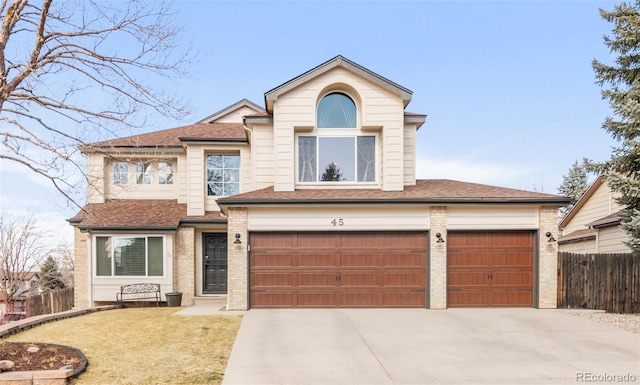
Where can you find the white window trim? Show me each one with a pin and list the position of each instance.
(94, 256)
(338, 132)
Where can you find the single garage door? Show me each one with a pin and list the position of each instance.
(490, 268)
(337, 269)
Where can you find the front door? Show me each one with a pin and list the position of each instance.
(214, 259)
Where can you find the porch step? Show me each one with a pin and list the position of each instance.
(211, 300)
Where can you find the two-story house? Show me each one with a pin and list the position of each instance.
(309, 201)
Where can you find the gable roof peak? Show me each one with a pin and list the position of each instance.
(337, 61)
(242, 103)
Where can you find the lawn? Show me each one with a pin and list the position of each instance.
(144, 345)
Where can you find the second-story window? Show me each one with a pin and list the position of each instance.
(223, 175)
(120, 173)
(142, 173)
(337, 152)
(165, 172)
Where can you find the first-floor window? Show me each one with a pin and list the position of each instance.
(129, 256)
(336, 159)
(223, 175)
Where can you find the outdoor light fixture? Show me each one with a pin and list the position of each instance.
(237, 241)
(550, 236)
(439, 237)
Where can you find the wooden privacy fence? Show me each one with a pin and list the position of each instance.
(50, 302)
(608, 282)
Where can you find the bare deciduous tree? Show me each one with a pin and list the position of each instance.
(71, 71)
(22, 250)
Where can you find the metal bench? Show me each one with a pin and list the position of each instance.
(139, 292)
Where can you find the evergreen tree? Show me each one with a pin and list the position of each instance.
(574, 184)
(621, 87)
(50, 275)
(332, 173)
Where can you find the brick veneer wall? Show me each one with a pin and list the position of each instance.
(438, 259)
(237, 294)
(548, 258)
(80, 266)
(184, 264)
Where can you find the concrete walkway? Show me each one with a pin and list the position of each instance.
(413, 346)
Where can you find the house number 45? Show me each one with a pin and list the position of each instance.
(337, 222)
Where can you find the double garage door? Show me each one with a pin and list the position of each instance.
(388, 269)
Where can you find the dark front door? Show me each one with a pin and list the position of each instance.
(214, 263)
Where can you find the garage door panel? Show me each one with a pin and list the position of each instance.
(513, 298)
(467, 278)
(324, 259)
(404, 299)
(416, 258)
(272, 260)
(408, 278)
(512, 278)
(360, 299)
(468, 298)
(468, 258)
(359, 259)
(511, 239)
(316, 279)
(316, 299)
(359, 279)
(283, 279)
(470, 240)
(272, 299)
(282, 241)
(316, 241)
(511, 258)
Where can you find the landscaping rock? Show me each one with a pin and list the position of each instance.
(67, 367)
(6, 365)
(33, 349)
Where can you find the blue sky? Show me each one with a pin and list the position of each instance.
(507, 86)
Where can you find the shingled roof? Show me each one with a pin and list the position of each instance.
(139, 214)
(174, 137)
(429, 191)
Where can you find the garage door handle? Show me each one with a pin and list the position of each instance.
(490, 275)
(338, 276)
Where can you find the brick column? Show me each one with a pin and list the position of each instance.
(438, 259)
(237, 294)
(548, 258)
(184, 264)
(81, 271)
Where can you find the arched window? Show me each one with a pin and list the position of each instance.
(337, 110)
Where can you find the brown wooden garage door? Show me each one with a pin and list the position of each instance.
(337, 270)
(490, 268)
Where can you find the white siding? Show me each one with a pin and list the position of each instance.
(196, 180)
(338, 218)
(492, 218)
(182, 178)
(611, 240)
(235, 116)
(588, 246)
(263, 156)
(96, 170)
(409, 150)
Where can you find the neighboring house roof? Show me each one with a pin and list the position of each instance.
(578, 235)
(175, 137)
(434, 191)
(243, 103)
(338, 61)
(24, 275)
(139, 214)
(581, 201)
(610, 220)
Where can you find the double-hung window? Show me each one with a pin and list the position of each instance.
(129, 256)
(143, 176)
(120, 173)
(223, 175)
(337, 152)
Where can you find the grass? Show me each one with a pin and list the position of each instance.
(144, 345)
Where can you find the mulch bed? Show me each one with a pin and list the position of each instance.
(48, 357)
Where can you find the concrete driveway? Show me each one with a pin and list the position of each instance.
(414, 346)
